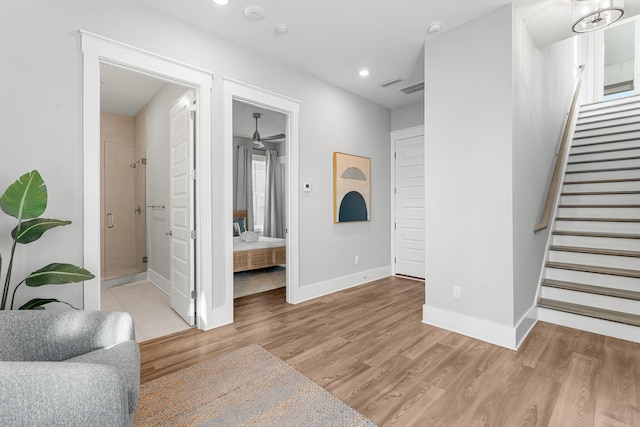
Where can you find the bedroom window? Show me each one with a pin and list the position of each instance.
(259, 182)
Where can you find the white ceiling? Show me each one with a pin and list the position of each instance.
(333, 39)
(125, 92)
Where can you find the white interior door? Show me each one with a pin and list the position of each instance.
(409, 207)
(181, 142)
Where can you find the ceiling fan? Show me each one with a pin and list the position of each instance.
(258, 139)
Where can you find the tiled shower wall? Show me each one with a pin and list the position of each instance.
(123, 191)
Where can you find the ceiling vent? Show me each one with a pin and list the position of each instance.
(390, 82)
(416, 87)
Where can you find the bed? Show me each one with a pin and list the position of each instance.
(266, 252)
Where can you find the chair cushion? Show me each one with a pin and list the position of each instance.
(125, 357)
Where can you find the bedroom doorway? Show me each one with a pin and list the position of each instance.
(138, 173)
(259, 199)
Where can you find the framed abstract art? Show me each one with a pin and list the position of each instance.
(351, 188)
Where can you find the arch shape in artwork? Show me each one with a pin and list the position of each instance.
(352, 208)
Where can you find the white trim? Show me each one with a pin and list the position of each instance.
(159, 281)
(96, 50)
(123, 280)
(327, 287)
(474, 327)
(526, 324)
(236, 90)
(395, 136)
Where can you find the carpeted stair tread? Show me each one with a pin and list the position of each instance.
(601, 181)
(593, 234)
(611, 271)
(595, 251)
(599, 193)
(631, 168)
(591, 206)
(617, 159)
(583, 310)
(591, 289)
(598, 219)
(611, 150)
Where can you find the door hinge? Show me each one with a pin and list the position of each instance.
(395, 261)
(193, 294)
(395, 155)
(395, 226)
(193, 114)
(193, 234)
(193, 174)
(395, 190)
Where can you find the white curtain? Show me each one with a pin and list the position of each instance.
(274, 218)
(243, 183)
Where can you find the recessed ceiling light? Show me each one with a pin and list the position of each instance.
(254, 12)
(221, 2)
(364, 73)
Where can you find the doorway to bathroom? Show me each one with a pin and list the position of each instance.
(140, 170)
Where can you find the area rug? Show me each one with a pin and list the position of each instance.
(249, 387)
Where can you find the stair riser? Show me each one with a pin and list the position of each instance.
(630, 263)
(597, 326)
(625, 118)
(619, 104)
(588, 176)
(617, 282)
(607, 130)
(603, 156)
(577, 149)
(605, 138)
(600, 227)
(597, 242)
(600, 212)
(592, 300)
(609, 164)
(603, 186)
(600, 199)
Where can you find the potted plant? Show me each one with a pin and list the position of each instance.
(26, 201)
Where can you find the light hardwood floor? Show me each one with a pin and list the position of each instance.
(368, 347)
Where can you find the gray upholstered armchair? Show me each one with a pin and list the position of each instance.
(71, 368)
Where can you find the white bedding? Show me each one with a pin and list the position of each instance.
(263, 242)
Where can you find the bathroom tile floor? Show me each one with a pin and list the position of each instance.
(149, 307)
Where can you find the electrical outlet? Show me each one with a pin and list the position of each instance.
(457, 292)
(356, 260)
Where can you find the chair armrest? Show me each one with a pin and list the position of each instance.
(32, 335)
(69, 394)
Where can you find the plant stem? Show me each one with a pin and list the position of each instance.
(5, 292)
(13, 297)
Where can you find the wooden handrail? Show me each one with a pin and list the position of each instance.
(560, 159)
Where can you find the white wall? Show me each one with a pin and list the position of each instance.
(493, 123)
(158, 182)
(468, 161)
(543, 85)
(407, 116)
(45, 80)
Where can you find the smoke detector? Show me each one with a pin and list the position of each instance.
(434, 27)
(282, 29)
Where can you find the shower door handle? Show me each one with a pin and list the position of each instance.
(109, 220)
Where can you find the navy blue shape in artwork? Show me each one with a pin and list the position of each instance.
(352, 208)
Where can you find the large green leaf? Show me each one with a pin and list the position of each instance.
(37, 302)
(32, 230)
(58, 274)
(26, 198)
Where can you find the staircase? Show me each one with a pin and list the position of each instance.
(592, 273)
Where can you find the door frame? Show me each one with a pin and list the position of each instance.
(398, 135)
(97, 49)
(238, 91)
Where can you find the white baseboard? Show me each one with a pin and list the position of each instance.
(484, 330)
(122, 280)
(160, 281)
(315, 290)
